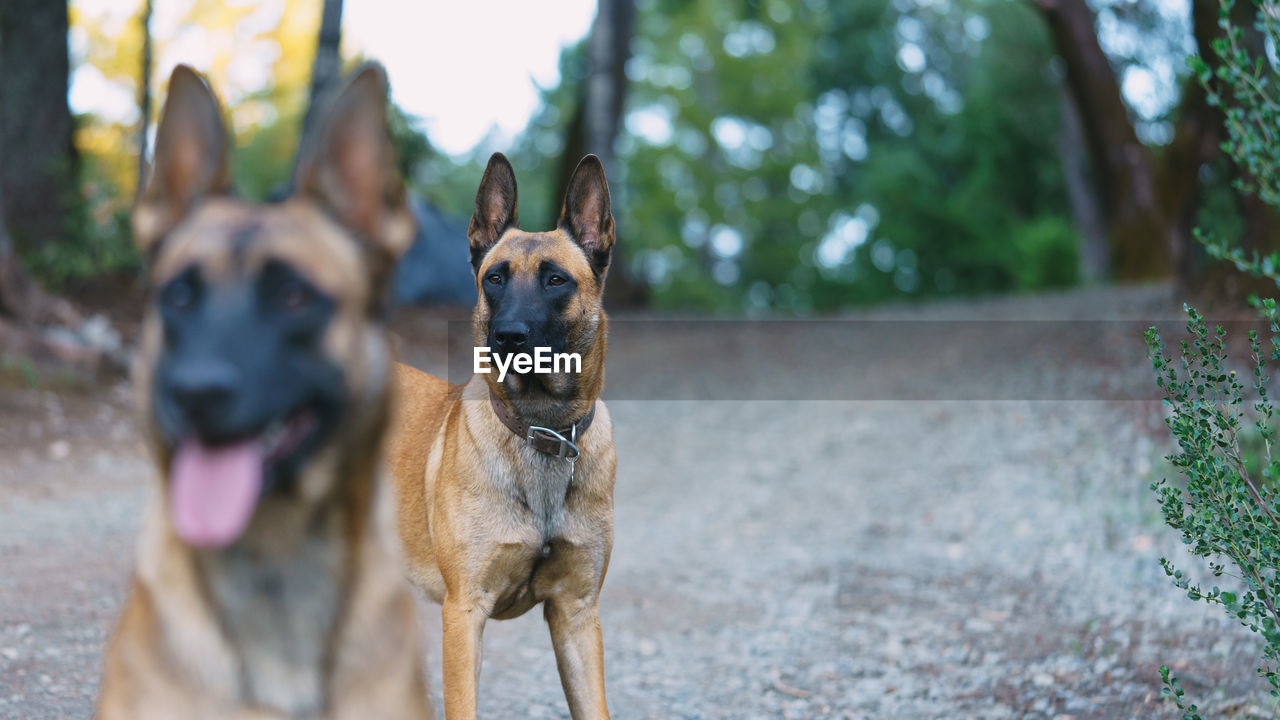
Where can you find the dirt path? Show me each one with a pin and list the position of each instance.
(921, 518)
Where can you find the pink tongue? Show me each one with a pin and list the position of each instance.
(212, 491)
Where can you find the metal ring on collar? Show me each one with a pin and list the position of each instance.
(566, 444)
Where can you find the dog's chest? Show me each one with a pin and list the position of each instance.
(541, 487)
(279, 617)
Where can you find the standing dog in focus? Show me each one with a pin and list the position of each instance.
(268, 581)
(506, 488)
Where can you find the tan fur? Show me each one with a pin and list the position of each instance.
(307, 615)
(478, 505)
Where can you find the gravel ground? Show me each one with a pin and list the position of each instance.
(919, 518)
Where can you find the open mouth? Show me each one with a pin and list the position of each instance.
(283, 438)
(214, 489)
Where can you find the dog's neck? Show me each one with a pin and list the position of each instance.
(556, 441)
(279, 591)
(530, 402)
(534, 407)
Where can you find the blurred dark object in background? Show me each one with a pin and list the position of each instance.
(437, 269)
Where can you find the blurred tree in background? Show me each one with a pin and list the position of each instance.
(1154, 174)
(793, 156)
(265, 120)
(597, 118)
(38, 162)
(799, 156)
(38, 158)
(326, 69)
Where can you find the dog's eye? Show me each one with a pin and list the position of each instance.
(494, 278)
(555, 281)
(293, 295)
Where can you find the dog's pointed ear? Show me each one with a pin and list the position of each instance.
(351, 169)
(586, 214)
(191, 159)
(495, 208)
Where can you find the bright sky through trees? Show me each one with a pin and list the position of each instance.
(464, 68)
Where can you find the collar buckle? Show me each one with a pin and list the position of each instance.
(568, 447)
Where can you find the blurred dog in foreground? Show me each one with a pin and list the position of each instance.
(268, 581)
(506, 487)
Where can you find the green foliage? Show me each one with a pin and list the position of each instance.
(777, 155)
(411, 145)
(262, 165)
(1173, 691)
(20, 368)
(96, 240)
(1045, 254)
(1226, 513)
(812, 155)
(1243, 86)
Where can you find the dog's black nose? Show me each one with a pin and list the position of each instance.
(511, 336)
(203, 388)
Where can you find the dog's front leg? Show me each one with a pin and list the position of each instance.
(579, 646)
(463, 628)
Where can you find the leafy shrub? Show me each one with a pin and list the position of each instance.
(1046, 254)
(1227, 513)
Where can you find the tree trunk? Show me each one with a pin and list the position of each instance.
(144, 99)
(326, 70)
(21, 299)
(608, 49)
(1150, 204)
(595, 123)
(13, 281)
(1141, 232)
(37, 188)
(1085, 208)
(38, 173)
